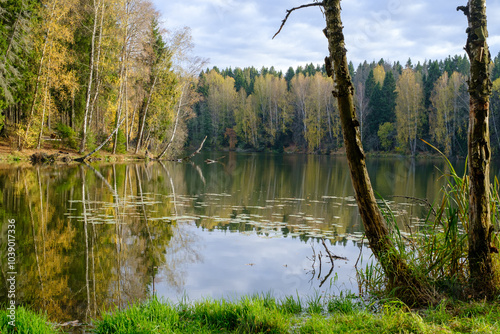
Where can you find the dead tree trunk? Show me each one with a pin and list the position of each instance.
(408, 286)
(480, 87)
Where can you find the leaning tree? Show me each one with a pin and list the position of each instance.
(407, 284)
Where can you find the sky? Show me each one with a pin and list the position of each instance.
(238, 33)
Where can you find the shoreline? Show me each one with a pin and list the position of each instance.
(11, 156)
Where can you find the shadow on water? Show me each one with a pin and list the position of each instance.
(90, 237)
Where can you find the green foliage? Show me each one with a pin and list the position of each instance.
(150, 317)
(386, 134)
(315, 305)
(67, 135)
(121, 142)
(2, 121)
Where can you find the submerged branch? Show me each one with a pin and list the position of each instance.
(197, 151)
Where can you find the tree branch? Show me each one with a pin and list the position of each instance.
(197, 151)
(289, 11)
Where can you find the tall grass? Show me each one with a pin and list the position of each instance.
(437, 252)
(26, 321)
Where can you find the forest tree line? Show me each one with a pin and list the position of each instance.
(396, 106)
(78, 71)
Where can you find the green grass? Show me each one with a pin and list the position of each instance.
(265, 314)
(26, 322)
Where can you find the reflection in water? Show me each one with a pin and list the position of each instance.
(90, 237)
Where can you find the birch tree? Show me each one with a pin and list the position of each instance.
(97, 7)
(441, 119)
(409, 108)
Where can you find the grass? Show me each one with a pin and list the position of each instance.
(26, 321)
(265, 314)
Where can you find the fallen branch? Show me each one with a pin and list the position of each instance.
(326, 277)
(197, 151)
(82, 159)
(211, 161)
(332, 257)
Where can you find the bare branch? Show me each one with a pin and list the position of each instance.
(289, 11)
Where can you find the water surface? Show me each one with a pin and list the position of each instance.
(90, 237)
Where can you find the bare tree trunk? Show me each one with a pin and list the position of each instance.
(127, 133)
(43, 111)
(89, 87)
(118, 114)
(82, 159)
(123, 73)
(480, 86)
(141, 131)
(98, 58)
(410, 288)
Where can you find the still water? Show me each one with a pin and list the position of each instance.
(90, 237)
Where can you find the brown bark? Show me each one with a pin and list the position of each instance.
(407, 285)
(480, 86)
(410, 288)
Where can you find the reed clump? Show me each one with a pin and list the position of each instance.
(438, 250)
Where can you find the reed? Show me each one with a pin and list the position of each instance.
(437, 251)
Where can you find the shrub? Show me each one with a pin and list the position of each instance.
(67, 135)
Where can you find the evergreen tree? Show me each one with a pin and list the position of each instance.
(388, 103)
(370, 83)
(419, 68)
(495, 73)
(433, 73)
(351, 69)
(289, 75)
(310, 70)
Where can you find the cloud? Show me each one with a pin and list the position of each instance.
(237, 33)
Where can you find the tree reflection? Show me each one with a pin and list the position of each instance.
(94, 236)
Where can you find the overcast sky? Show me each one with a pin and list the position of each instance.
(238, 33)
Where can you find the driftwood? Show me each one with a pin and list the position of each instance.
(197, 151)
(319, 256)
(211, 161)
(43, 158)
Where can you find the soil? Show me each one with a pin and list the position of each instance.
(8, 153)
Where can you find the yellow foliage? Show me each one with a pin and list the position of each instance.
(379, 74)
(409, 107)
(496, 85)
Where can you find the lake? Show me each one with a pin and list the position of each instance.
(90, 237)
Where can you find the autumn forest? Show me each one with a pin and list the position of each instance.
(85, 73)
